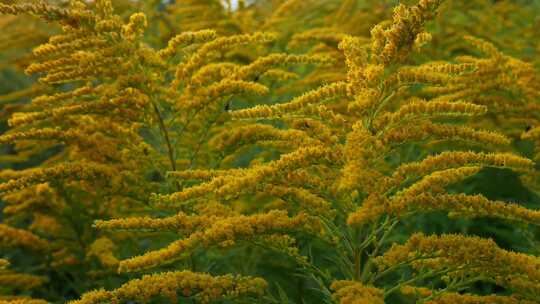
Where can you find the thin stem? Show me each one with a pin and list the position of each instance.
(166, 137)
(357, 263)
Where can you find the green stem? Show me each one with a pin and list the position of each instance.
(170, 151)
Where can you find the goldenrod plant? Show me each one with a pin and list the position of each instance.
(269, 152)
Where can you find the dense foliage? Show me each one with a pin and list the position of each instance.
(269, 151)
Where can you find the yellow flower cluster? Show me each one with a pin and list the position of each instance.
(350, 292)
(463, 256)
(432, 108)
(222, 231)
(21, 281)
(394, 42)
(454, 297)
(316, 96)
(197, 59)
(13, 237)
(102, 249)
(450, 159)
(136, 26)
(77, 171)
(204, 287)
(241, 181)
(48, 12)
(427, 130)
(181, 223)
(185, 39)
(22, 300)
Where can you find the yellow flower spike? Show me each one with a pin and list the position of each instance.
(129, 97)
(352, 292)
(136, 26)
(436, 181)
(23, 300)
(21, 281)
(186, 38)
(80, 170)
(201, 174)
(13, 237)
(181, 223)
(470, 206)
(364, 100)
(226, 87)
(426, 130)
(333, 90)
(356, 55)
(45, 134)
(49, 100)
(68, 45)
(482, 256)
(224, 230)
(213, 72)
(485, 47)
(262, 64)
(202, 286)
(393, 42)
(279, 75)
(253, 133)
(419, 108)
(246, 180)
(450, 298)
(72, 17)
(454, 297)
(407, 75)
(104, 8)
(450, 159)
(447, 68)
(196, 60)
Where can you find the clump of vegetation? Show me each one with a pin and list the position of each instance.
(269, 152)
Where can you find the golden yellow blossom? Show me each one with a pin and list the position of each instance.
(202, 286)
(136, 26)
(219, 44)
(223, 230)
(426, 130)
(181, 223)
(482, 257)
(80, 171)
(185, 39)
(333, 90)
(23, 300)
(393, 43)
(418, 108)
(13, 237)
(102, 249)
(22, 281)
(350, 292)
